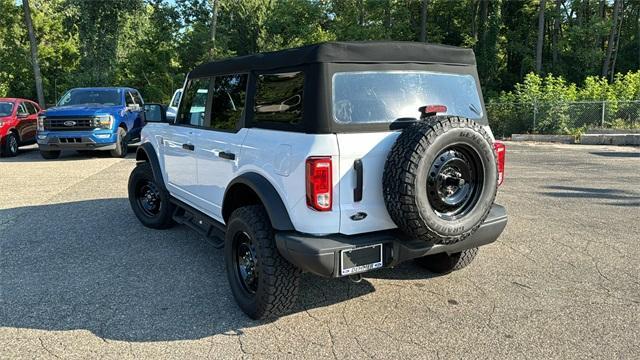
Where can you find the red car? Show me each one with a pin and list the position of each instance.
(18, 123)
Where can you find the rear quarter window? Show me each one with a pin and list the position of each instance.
(279, 98)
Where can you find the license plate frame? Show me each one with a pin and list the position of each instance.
(361, 268)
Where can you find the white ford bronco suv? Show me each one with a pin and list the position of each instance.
(336, 159)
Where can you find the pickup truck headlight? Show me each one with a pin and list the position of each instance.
(41, 122)
(103, 121)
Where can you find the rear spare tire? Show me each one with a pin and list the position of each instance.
(440, 179)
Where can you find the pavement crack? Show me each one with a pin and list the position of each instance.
(333, 343)
(362, 347)
(47, 349)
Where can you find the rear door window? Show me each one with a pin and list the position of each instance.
(229, 96)
(279, 97)
(31, 108)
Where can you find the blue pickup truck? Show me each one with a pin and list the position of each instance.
(92, 119)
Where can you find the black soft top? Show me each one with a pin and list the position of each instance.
(341, 52)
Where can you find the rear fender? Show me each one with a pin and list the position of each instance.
(268, 196)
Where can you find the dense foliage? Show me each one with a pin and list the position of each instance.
(552, 105)
(151, 44)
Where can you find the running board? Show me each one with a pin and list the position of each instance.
(212, 230)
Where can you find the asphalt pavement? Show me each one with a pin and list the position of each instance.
(81, 278)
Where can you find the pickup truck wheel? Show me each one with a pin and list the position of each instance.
(263, 283)
(440, 179)
(444, 263)
(10, 147)
(50, 154)
(148, 201)
(121, 144)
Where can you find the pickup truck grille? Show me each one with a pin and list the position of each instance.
(68, 123)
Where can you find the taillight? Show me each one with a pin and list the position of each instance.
(430, 110)
(500, 150)
(319, 183)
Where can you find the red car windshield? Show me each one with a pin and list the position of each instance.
(6, 108)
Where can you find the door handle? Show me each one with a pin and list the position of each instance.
(189, 147)
(226, 155)
(357, 192)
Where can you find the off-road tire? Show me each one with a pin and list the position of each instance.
(408, 167)
(141, 175)
(278, 280)
(50, 154)
(121, 144)
(10, 145)
(445, 263)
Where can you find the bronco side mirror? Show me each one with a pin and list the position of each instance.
(156, 113)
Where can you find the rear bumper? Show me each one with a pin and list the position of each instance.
(321, 255)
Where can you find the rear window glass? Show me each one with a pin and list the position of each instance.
(279, 97)
(385, 96)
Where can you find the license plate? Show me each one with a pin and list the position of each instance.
(359, 260)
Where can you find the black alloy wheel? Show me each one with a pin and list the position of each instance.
(245, 262)
(149, 201)
(148, 198)
(454, 182)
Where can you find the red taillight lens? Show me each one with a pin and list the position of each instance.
(432, 109)
(500, 150)
(319, 183)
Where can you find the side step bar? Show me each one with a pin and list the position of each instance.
(210, 229)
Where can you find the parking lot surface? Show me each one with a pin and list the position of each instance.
(80, 277)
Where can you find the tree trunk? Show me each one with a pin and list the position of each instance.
(617, 44)
(387, 18)
(34, 53)
(423, 21)
(481, 37)
(214, 24)
(612, 37)
(540, 37)
(556, 32)
(603, 14)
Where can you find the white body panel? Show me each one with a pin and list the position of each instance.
(280, 157)
(372, 149)
(200, 177)
(215, 173)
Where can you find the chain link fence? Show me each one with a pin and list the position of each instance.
(561, 117)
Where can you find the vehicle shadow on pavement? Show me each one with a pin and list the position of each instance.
(620, 197)
(91, 265)
(32, 154)
(617, 154)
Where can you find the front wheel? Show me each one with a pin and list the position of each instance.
(10, 145)
(121, 144)
(443, 263)
(263, 283)
(149, 202)
(50, 154)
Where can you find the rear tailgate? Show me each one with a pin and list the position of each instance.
(371, 149)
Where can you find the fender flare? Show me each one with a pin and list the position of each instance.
(147, 151)
(269, 197)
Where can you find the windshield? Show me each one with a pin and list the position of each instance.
(6, 108)
(385, 96)
(91, 96)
